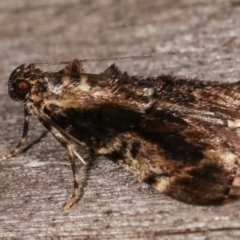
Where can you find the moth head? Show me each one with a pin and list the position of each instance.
(19, 83)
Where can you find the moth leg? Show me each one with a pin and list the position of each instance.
(71, 152)
(67, 141)
(76, 192)
(23, 138)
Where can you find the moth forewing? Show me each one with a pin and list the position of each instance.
(175, 134)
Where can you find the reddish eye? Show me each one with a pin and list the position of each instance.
(21, 88)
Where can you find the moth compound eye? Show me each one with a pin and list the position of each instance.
(21, 88)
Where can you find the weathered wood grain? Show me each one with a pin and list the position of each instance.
(35, 184)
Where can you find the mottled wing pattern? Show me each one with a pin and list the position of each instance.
(180, 136)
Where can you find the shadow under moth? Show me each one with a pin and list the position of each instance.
(181, 136)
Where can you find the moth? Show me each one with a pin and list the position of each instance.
(181, 136)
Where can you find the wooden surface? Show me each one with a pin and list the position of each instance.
(35, 184)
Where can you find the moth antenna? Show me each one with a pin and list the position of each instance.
(22, 140)
(104, 59)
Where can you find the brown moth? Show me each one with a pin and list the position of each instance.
(181, 136)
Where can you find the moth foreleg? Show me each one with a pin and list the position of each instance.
(23, 139)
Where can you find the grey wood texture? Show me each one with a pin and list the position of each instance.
(35, 184)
